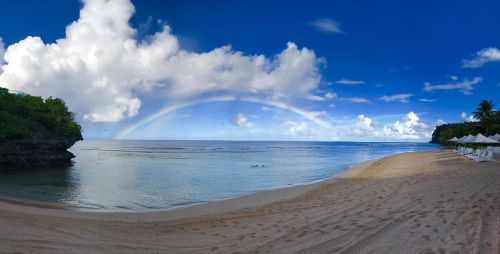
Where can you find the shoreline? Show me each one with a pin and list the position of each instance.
(257, 198)
(421, 202)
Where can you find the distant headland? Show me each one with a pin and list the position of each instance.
(486, 121)
(35, 132)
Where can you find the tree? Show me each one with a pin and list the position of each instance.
(489, 125)
(26, 117)
(486, 115)
(485, 111)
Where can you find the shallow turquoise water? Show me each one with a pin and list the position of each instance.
(145, 175)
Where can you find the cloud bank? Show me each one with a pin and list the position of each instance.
(102, 70)
(408, 128)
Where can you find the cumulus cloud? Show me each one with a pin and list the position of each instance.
(242, 121)
(466, 86)
(482, 57)
(102, 70)
(326, 25)
(404, 98)
(468, 118)
(349, 82)
(298, 128)
(363, 126)
(409, 128)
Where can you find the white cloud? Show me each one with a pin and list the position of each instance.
(363, 126)
(330, 95)
(453, 77)
(327, 96)
(316, 98)
(469, 118)
(101, 70)
(298, 128)
(316, 114)
(2, 52)
(409, 128)
(354, 100)
(427, 100)
(242, 121)
(349, 82)
(264, 108)
(440, 122)
(404, 98)
(466, 86)
(482, 57)
(326, 25)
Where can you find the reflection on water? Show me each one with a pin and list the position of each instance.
(144, 175)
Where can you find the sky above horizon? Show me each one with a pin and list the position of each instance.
(255, 70)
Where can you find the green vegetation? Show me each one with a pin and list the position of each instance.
(31, 118)
(489, 124)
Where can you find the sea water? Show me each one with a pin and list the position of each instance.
(145, 175)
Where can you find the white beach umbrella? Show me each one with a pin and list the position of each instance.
(464, 138)
(454, 139)
(480, 138)
(495, 137)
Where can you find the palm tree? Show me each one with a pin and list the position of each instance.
(485, 114)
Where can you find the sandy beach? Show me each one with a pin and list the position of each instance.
(421, 202)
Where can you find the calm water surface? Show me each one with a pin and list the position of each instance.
(145, 175)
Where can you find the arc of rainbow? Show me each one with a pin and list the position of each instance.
(170, 108)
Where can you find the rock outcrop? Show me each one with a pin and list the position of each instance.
(35, 132)
(24, 154)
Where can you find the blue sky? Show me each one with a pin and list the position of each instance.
(295, 70)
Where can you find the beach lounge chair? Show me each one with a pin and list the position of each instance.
(466, 151)
(474, 155)
(486, 156)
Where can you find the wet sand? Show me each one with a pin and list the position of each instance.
(422, 202)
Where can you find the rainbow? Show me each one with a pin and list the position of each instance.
(170, 108)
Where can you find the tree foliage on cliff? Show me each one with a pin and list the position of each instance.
(488, 124)
(26, 117)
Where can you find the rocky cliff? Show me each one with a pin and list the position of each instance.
(24, 154)
(35, 132)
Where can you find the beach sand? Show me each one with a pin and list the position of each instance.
(422, 202)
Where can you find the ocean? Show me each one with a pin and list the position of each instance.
(125, 175)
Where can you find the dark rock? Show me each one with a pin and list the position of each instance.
(24, 154)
